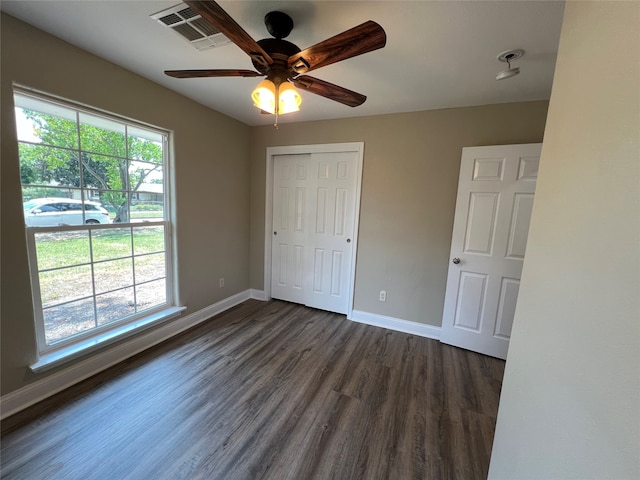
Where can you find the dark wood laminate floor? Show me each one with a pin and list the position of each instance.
(269, 391)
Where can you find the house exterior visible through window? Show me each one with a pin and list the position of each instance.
(97, 221)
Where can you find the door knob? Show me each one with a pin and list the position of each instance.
(348, 240)
(456, 260)
(275, 233)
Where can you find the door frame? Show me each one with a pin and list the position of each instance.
(357, 147)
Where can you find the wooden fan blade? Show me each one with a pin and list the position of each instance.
(216, 16)
(329, 90)
(211, 73)
(358, 40)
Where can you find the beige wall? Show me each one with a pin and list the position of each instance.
(211, 171)
(410, 179)
(409, 185)
(570, 404)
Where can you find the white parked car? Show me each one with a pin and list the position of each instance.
(51, 212)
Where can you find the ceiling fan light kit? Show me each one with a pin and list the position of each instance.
(508, 57)
(283, 63)
(267, 96)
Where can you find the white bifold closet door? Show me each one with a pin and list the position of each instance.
(314, 207)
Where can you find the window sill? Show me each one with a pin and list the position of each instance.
(63, 355)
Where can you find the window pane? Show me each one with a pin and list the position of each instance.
(62, 249)
(145, 209)
(30, 194)
(101, 135)
(146, 177)
(101, 172)
(64, 285)
(145, 145)
(43, 165)
(113, 274)
(114, 306)
(111, 243)
(148, 239)
(150, 267)
(43, 122)
(117, 204)
(69, 319)
(26, 128)
(152, 294)
(41, 213)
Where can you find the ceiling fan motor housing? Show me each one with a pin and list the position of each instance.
(279, 50)
(279, 24)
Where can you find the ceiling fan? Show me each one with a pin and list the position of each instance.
(283, 63)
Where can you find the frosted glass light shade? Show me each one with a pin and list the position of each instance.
(289, 99)
(264, 96)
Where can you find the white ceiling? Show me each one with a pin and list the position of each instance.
(439, 54)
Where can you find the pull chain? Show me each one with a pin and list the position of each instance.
(277, 104)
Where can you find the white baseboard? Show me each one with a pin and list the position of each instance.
(406, 326)
(40, 389)
(258, 294)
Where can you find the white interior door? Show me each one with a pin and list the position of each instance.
(331, 213)
(291, 186)
(490, 230)
(314, 213)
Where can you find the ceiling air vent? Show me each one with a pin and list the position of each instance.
(191, 26)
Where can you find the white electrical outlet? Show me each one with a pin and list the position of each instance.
(222, 282)
(383, 295)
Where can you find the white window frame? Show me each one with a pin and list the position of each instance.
(52, 354)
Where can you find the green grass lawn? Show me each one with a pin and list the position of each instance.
(78, 295)
(65, 249)
(64, 261)
(141, 214)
